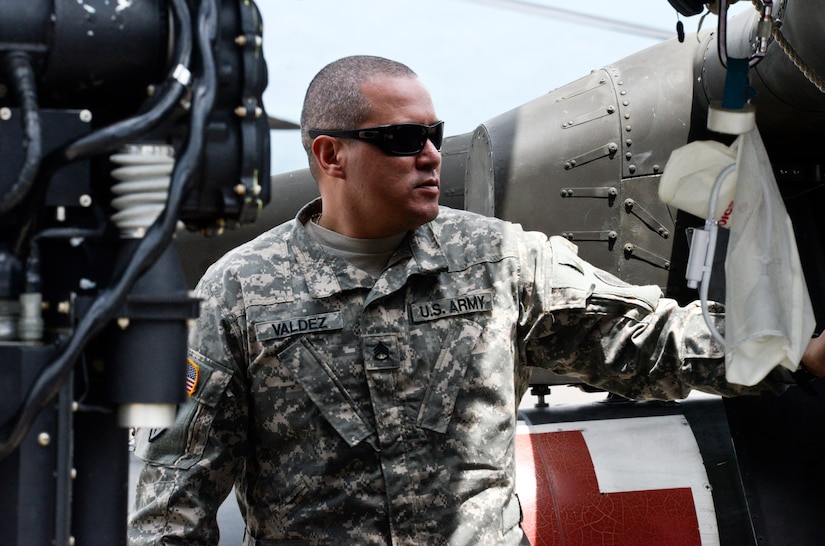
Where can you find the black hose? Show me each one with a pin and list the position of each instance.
(20, 72)
(157, 238)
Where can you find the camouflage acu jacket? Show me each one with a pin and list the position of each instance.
(347, 409)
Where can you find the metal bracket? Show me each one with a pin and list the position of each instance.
(589, 116)
(606, 192)
(639, 253)
(608, 237)
(631, 206)
(608, 150)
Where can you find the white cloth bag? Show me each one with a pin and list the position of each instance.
(769, 317)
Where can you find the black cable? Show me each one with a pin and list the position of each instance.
(21, 74)
(157, 238)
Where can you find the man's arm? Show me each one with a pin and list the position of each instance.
(623, 338)
(189, 469)
(813, 359)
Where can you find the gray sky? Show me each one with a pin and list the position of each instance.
(478, 58)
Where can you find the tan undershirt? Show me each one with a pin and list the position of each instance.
(370, 255)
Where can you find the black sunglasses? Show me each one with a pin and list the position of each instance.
(401, 139)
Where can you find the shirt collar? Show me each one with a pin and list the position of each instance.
(327, 275)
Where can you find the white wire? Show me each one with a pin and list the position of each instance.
(713, 227)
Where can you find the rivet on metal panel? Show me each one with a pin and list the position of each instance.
(632, 169)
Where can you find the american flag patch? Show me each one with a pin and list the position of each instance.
(192, 373)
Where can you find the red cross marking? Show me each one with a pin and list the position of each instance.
(567, 508)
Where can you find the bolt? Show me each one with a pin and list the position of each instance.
(44, 439)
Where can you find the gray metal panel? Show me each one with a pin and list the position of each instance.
(568, 162)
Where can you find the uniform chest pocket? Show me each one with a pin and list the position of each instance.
(326, 391)
(447, 375)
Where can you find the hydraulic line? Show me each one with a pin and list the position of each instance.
(21, 74)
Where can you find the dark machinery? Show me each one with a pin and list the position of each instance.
(118, 121)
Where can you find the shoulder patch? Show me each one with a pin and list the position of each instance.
(193, 372)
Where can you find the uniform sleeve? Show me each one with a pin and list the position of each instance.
(585, 323)
(190, 468)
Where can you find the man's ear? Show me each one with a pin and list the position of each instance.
(329, 153)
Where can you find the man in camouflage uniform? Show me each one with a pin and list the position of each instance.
(355, 372)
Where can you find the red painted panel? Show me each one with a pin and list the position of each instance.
(567, 509)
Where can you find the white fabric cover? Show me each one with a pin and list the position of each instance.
(690, 174)
(769, 318)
